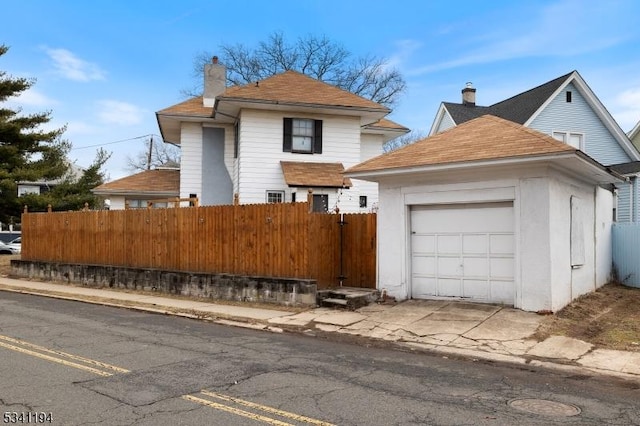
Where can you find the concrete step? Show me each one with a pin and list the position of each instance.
(347, 297)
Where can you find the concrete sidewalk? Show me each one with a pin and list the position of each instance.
(469, 330)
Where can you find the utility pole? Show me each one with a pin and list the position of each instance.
(150, 151)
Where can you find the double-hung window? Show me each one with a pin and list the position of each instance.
(302, 135)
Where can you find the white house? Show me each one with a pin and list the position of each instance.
(274, 139)
(567, 109)
(154, 186)
(492, 211)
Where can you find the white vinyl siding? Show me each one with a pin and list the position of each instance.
(260, 153)
(191, 159)
(578, 117)
(370, 146)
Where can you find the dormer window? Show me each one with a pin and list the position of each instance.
(302, 135)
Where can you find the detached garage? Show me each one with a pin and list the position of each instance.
(491, 211)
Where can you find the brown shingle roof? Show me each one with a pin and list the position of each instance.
(384, 123)
(484, 138)
(291, 87)
(325, 175)
(148, 182)
(190, 107)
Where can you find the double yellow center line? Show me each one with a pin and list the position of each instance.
(70, 360)
(230, 404)
(252, 405)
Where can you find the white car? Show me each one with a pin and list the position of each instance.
(7, 249)
(16, 244)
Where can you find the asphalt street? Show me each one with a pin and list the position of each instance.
(77, 363)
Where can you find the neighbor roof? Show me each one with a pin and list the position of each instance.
(630, 168)
(318, 175)
(484, 138)
(518, 108)
(159, 181)
(291, 87)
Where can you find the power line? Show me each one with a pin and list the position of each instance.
(114, 142)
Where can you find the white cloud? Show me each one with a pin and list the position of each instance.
(33, 98)
(549, 32)
(73, 68)
(627, 105)
(117, 112)
(405, 48)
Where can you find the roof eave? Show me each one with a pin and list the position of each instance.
(376, 175)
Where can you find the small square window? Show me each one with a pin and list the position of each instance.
(275, 196)
(363, 201)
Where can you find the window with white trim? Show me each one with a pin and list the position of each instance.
(576, 140)
(275, 196)
(302, 135)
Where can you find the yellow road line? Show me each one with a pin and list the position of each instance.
(266, 409)
(53, 359)
(235, 411)
(65, 354)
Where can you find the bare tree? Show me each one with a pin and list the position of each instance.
(406, 139)
(156, 154)
(316, 56)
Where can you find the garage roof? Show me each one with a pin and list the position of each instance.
(484, 138)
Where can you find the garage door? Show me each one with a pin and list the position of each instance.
(463, 251)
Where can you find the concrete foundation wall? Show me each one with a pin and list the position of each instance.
(282, 291)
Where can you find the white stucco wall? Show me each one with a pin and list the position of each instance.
(603, 235)
(544, 277)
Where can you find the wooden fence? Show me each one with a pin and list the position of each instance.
(275, 240)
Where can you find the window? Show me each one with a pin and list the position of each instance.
(275, 196)
(137, 204)
(576, 140)
(302, 135)
(568, 96)
(320, 203)
(363, 201)
(293, 197)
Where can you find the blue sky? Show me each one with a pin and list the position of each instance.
(103, 68)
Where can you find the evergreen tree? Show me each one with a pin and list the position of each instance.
(29, 154)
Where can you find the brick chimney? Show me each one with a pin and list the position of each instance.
(215, 81)
(469, 95)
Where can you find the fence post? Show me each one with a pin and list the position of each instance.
(310, 199)
(236, 199)
(49, 208)
(26, 209)
(86, 207)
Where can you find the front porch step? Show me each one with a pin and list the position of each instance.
(347, 297)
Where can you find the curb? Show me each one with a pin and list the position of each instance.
(262, 325)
